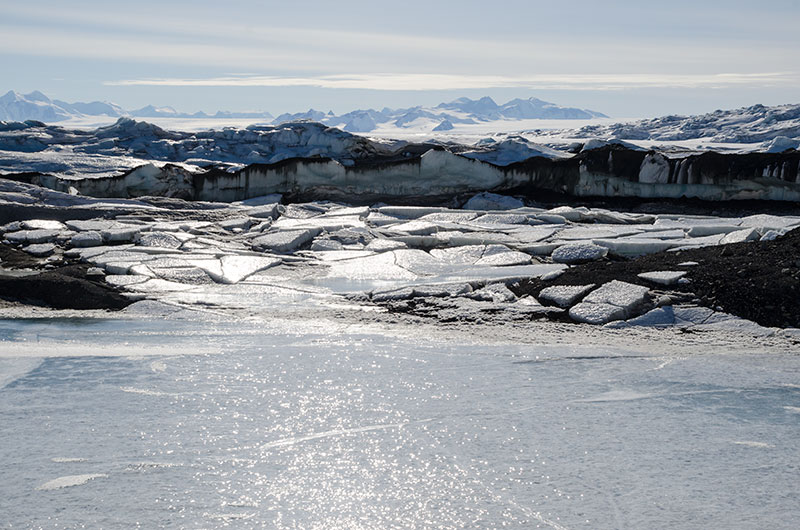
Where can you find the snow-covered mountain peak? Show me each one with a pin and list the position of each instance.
(93, 108)
(310, 114)
(13, 95)
(473, 106)
(33, 106)
(151, 111)
(8, 97)
(37, 96)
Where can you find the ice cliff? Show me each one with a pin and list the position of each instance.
(307, 159)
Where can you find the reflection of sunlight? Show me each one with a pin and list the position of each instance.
(337, 432)
(307, 428)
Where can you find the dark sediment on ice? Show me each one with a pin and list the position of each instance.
(64, 287)
(758, 281)
(11, 258)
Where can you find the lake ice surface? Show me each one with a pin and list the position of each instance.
(203, 424)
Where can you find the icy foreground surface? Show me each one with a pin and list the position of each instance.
(328, 426)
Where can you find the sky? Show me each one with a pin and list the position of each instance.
(625, 59)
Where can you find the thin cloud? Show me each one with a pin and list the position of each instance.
(242, 46)
(413, 82)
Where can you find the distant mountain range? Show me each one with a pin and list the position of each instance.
(443, 117)
(36, 106)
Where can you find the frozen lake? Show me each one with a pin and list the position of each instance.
(199, 424)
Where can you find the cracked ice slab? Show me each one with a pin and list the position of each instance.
(240, 223)
(326, 245)
(507, 273)
(338, 255)
(579, 253)
(157, 286)
(503, 258)
(94, 225)
(681, 316)
(185, 275)
(663, 277)
(638, 246)
(456, 238)
(32, 236)
(495, 292)
(585, 233)
(615, 300)
(713, 230)
(286, 240)
(696, 242)
(40, 249)
(380, 267)
(765, 222)
(87, 239)
(564, 295)
(700, 318)
(740, 236)
(321, 222)
(122, 233)
(42, 224)
(414, 228)
(400, 268)
(158, 239)
(237, 268)
(489, 255)
(449, 217)
(384, 245)
(492, 201)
